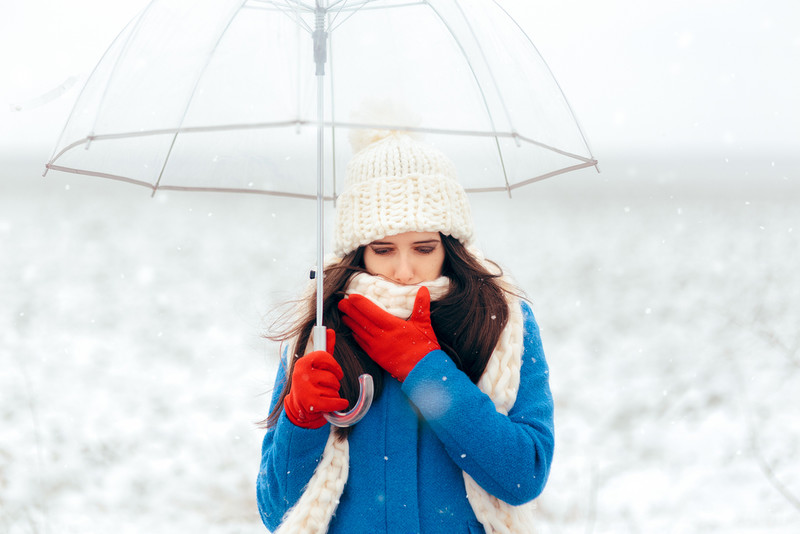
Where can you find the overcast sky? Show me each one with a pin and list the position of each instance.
(705, 75)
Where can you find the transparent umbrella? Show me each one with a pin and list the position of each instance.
(259, 97)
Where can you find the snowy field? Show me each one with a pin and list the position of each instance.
(668, 294)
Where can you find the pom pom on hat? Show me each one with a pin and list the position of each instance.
(396, 183)
(385, 112)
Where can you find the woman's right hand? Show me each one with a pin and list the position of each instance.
(315, 387)
(394, 344)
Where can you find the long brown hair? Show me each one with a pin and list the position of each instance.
(468, 321)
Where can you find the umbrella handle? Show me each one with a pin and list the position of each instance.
(365, 394)
(345, 419)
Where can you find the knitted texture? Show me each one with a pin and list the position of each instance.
(313, 511)
(391, 297)
(398, 184)
(500, 381)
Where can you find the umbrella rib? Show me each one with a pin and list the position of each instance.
(590, 163)
(293, 7)
(336, 3)
(355, 8)
(295, 122)
(569, 107)
(117, 62)
(499, 95)
(66, 149)
(268, 6)
(532, 180)
(467, 133)
(331, 22)
(556, 150)
(308, 7)
(332, 28)
(298, 18)
(190, 129)
(479, 86)
(503, 165)
(97, 174)
(290, 10)
(239, 190)
(148, 185)
(55, 156)
(194, 90)
(488, 66)
(392, 6)
(293, 195)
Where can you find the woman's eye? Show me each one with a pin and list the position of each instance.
(381, 251)
(426, 250)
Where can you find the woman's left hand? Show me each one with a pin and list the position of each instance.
(394, 344)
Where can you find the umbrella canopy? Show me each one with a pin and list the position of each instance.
(260, 96)
(211, 95)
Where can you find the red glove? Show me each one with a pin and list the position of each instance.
(315, 387)
(394, 344)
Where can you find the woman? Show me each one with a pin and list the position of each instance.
(459, 438)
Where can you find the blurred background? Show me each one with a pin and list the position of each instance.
(666, 287)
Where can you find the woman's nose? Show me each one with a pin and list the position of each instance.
(404, 271)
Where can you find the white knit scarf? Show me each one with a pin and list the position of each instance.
(500, 381)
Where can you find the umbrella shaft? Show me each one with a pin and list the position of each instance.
(320, 209)
(319, 56)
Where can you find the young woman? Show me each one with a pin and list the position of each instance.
(459, 438)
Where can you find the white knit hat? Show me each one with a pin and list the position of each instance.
(398, 184)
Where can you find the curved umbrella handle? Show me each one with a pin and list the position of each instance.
(349, 418)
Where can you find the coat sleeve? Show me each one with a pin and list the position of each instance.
(289, 455)
(509, 456)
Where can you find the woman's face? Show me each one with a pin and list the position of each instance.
(408, 258)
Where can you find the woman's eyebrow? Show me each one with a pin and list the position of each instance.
(384, 243)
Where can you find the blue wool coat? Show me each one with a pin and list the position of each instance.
(408, 453)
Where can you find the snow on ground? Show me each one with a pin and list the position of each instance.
(133, 367)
